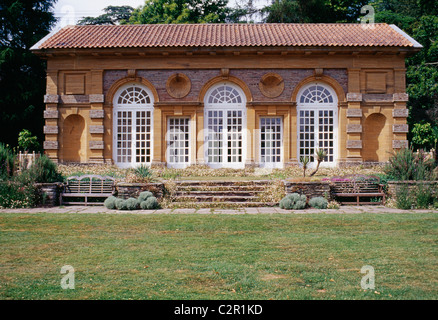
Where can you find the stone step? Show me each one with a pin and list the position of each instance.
(221, 188)
(215, 183)
(215, 198)
(226, 193)
(224, 204)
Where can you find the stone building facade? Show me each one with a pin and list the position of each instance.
(227, 95)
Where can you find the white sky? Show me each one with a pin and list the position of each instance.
(70, 11)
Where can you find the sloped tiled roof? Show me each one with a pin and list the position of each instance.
(226, 35)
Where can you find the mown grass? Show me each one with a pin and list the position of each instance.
(308, 256)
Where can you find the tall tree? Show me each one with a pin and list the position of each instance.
(179, 11)
(313, 11)
(22, 74)
(113, 15)
(419, 18)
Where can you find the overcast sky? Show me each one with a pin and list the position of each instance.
(70, 11)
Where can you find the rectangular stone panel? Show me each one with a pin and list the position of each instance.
(51, 98)
(354, 128)
(97, 114)
(400, 128)
(398, 144)
(354, 97)
(51, 130)
(97, 129)
(403, 97)
(97, 98)
(354, 144)
(400, 113)
(51, 114)
(354, 113)
(97, 145)
(51, 145)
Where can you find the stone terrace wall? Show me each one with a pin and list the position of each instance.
(310, 189)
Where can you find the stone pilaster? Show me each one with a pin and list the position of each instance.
(96, 126)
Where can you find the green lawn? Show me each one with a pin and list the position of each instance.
(305, 256)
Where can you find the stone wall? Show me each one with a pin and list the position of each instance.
(394, 186)
(49, 193)
(310, 189)
(133, 190)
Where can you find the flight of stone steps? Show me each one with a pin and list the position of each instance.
(213, 194)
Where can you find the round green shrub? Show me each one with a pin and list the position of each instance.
(131, 204)
(293, 201)
(121, 204)
(149, 204)
(318, 203)
(145, 195)
(110, 202)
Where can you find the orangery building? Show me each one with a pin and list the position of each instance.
(225, 95)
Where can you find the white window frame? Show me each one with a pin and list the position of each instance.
(178, 165)
(316, 107)
(133, 108)
(225, 107)
(272, 165)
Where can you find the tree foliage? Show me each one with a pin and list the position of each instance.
(113, 15)
(419, 19)
(178, 11)
(22, 74)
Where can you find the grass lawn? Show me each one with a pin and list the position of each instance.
(297, 256)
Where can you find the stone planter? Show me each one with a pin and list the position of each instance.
(394, 186)
(133, 190)
(310, 189)
(49, 193)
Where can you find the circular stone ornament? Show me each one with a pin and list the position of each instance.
(271, 85)
(178, 85)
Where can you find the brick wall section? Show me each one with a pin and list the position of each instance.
(251, 77)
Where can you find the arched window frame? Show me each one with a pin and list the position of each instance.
(137, 114)
(329, 105)
(239, 105)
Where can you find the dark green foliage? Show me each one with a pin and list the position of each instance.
(14, 194)
(110, 202)
(150, 204)
(113, 15)
(293, 201)
(131, 204)
(424, 196)
(7, 160)
(43, 170)
(404, 164)
(404, 199)
(318, 203)
(22, 74)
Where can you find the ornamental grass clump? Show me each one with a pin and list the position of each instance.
(318, 203)
(293, 201)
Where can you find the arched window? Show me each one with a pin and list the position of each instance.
(133, 119)
(317, 122)
(225, 121)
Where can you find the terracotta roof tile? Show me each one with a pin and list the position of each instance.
(226, 35)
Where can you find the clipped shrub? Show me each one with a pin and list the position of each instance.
(293, 201)
(131, 204)
(144, 195)
(110, 202)
(318, 203)
(121, 204)
(149, 204)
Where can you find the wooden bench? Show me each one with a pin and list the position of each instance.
(87, 186)
(358, 189)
